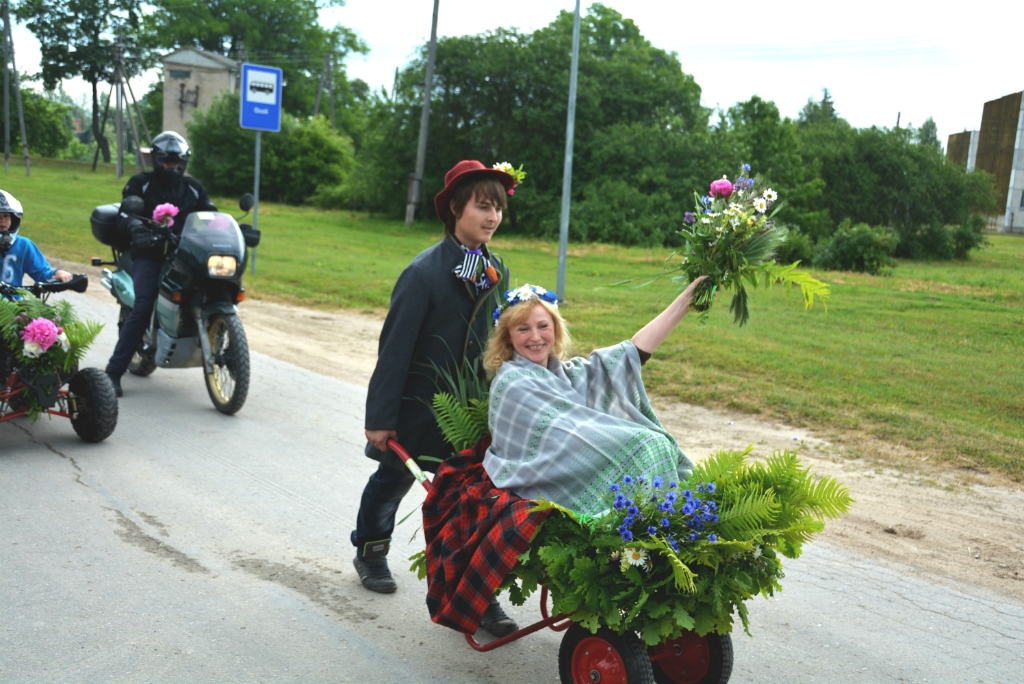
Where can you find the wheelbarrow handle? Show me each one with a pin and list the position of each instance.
(411, 464)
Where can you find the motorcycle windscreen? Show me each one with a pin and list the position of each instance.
(214, 233)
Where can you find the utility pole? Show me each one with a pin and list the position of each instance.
(9, 44)
(119, 112)
(320, 88)
(416, 179)
(330, 84)
(570, 131)
(7, 94)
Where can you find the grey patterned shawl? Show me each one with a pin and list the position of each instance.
(565, 432)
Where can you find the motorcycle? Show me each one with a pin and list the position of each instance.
(85, 395)
(195, 320)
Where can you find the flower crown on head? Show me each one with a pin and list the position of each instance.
(525, 293)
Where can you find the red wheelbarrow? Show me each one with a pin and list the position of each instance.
(585, 657)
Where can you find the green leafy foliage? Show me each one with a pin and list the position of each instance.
(858, 247)
(766, 510)
(303, 156)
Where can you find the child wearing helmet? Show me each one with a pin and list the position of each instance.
(18, 254)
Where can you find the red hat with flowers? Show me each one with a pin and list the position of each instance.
(503, 173)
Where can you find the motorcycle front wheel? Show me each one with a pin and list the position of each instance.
(228, 383)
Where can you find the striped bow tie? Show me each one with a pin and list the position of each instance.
(476, 268)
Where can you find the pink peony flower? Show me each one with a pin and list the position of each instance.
(163, 214)
(41, 332)
(721, 188)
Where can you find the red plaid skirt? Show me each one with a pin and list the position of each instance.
(474, 533)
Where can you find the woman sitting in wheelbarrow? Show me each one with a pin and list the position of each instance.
(561, 430)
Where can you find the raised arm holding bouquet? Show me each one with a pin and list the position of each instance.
(732, 237)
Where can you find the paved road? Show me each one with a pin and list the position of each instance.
(195, 547)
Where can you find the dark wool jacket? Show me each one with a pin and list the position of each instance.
(436, 317)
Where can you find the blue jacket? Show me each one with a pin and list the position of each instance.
(24, 257)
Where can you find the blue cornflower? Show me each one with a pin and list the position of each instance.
(626, 535)
(667, 507)
(713, 518)
(673, 484)
(654, 498)
(746, 167)
(711, 487)
(697, 501)
(613, 487)
(619, 503)
(712, 537)
(665, 522)
(675, 545)
(688, 509)
(628, 521)
(652, 530)
(657, 482)
(640, 478)
(705, 200)
(700, 487)
(633, 510)
(694, 536)
(688, 494)
(712, 505)
(671, 496)
(750, 182)
(627, 479)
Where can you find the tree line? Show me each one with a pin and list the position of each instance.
(854, 197)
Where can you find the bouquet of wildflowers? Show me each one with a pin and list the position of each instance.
(671, 557)
(732, 237)
(43, 340)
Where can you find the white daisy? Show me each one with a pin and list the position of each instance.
(770, 195)
(634, 555)
(735, 222)
(761, 205)
(705, 220)
(504, 166)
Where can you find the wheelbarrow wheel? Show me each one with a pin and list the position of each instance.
(693, 659)
(606, 657)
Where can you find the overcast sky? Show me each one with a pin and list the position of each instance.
(878, 58)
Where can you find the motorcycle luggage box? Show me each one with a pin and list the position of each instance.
(104, 221)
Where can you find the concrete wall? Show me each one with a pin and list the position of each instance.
(212, 83)
(1014, 218)
(997, 141)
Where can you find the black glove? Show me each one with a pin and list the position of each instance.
(144, 238)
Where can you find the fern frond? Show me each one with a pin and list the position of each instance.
(828, 498)
(459, 425)
(744, 517)
(808, 284)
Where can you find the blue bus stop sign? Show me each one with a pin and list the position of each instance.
(261, 98)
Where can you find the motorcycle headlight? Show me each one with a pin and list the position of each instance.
(222, 266)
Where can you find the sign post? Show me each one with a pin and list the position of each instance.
(260, 111)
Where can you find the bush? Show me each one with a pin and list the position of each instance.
(302, 158)
(616, 211)
(858, 248)
(797, 247)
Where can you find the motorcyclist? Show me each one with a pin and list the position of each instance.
(166, 183)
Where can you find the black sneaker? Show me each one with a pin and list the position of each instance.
(375, 575)
(115, 380)
(496, 622)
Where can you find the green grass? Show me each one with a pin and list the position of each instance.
(931, 358)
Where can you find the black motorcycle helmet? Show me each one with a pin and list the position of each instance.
(169, 146)
(10, 205)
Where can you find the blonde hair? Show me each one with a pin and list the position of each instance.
(499, 346)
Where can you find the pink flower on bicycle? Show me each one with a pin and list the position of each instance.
(164, 214)
(39, 336)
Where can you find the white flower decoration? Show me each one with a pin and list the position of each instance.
(705, 220)
(504, 166)
(634, 555)
(32, 350)
(761, 205)
(62, 339)
(735, 222)
(770, 195)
